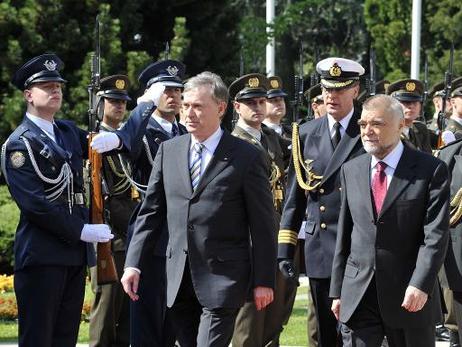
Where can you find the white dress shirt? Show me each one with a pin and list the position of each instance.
(343, 123)
(165, 124)
(252, 131)
(45, 125)
(276, 127)
(209, 146)
(392, 160)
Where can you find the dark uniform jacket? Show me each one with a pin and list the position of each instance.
(47, 234)
(211, 228)
(141, 137)
(404, 245)
(455, 127)
(320, 206)
(420, 137)
(452, 156)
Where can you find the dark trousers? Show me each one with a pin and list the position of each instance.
(196, 325)
(328, 334)
(50, 300)
(457, 306)
(367, 329)
(149, 320)
(110, 312)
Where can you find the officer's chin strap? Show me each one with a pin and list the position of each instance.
(65, 179)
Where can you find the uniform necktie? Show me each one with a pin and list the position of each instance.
(175, 130)
(195, 167)
(337, 137)
(58, 137)
(379, 186)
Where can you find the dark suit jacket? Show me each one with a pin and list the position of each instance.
(225, 228)
(452, 156)
(321, 206)
(47, 233)
(405, 245)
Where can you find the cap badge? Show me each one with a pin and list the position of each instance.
(410, 86)
(254, 82)
(274, 84)
(17, 159)
(50, 65)
(385, 86)
(120, 84)
(172, 70)
(335, 70)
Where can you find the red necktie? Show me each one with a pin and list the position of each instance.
(379, 185)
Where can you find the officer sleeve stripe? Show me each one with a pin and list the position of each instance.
(288, 236)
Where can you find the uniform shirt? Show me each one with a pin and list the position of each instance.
(276, 127)
(210, 144)
(165, 124)
(45, 125)
(392, 160)
(343, 123)
(252, 131)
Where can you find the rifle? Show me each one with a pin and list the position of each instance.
(167, 51)
(372, 73)
(106, 270)
(444, 96)
(298, 90)
(425, 93)
(241, 73)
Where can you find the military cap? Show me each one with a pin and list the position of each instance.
(275, 88)
(169, 72)
(436, 89)
(314, 93)
(43, 68)
(456, 87)
(406, 90)
(114, 87)
(380, 88)
(253, 85)
(337, 73)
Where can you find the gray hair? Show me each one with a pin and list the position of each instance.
(384, 102)
(211, 80)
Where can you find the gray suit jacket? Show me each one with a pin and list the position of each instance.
(225, 228)
(404, 245)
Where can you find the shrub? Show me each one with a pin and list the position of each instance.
(8, 222)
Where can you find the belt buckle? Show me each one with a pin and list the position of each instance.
(78, 199)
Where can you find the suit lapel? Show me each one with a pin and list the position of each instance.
(402, 177)
(220, 159)
(344, 148)
(364, 175)
(182, 162)
(158, 127)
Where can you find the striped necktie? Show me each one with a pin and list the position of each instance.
(195, 167)
(175, 130)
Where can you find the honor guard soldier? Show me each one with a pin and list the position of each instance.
(320, 148)
(435, 93)
(152, 122)
(42, 163)
(315, 101)
(249, 93)
(409, 92)
(455, 122)
(110, 314)
(276, 108)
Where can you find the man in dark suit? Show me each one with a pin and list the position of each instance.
(213, 190)
(110, 314)
(150, 124)
(42, 163)
(323, 145)
(392, 236)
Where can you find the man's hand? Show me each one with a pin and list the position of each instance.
(335, 308)
(153, 93)
(414, 299)
(263, 296)
(130, 281)
(105, 142)
(287, 268)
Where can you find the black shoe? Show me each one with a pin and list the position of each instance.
(454, 339)
(442, 333)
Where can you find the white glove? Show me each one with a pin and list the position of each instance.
(153, 93)
(448, 136)
(105, 141)
(96, 233)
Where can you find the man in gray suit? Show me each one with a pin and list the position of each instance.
(392, 235)
(213, 190)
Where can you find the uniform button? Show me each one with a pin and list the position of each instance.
(340, 188)
(321, 191)
(322, 208)
(323, 226)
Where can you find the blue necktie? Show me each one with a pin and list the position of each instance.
(195, 167)
(175, 130)
(58, 137)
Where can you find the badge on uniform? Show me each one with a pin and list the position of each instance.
(17, 159)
